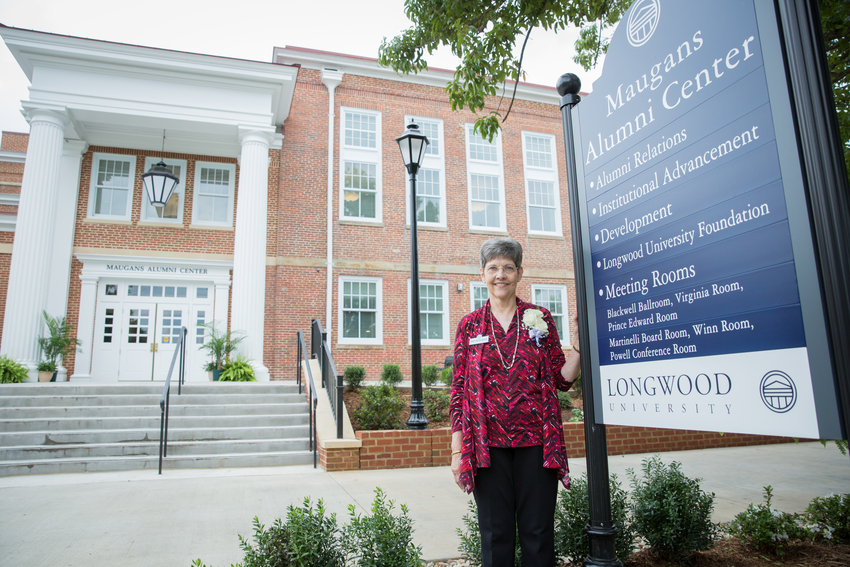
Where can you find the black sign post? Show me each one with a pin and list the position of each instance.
(600, 527)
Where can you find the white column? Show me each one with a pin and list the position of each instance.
(29, 273)
(221, 302)
(63, 237)
(249, 247)
(85, 327)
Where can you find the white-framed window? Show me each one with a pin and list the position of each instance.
(112, 180)
(554, 298)
(360, 181)
(213, 192)
(360, 165)
(478, 295)
(360, 309)
(172, 212)
(433, 312)
(543, 204)
(485, 182)
(431, 178)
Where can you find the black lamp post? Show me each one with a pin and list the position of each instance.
(412, 145)
(159, 182)
(600, 528)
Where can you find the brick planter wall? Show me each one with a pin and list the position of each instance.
(432, 448)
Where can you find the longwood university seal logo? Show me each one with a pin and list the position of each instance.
(643, 21)
(778, 391)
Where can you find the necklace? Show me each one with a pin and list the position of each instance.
(498, 350)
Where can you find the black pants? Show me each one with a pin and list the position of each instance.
(515, 491)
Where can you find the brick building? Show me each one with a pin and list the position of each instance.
(291, 206)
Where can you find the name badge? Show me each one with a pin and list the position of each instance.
(479, 340)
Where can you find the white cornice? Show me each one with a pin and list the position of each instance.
(368, 67)
(124, 95)
(13, 157)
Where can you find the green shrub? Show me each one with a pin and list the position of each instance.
(436, 404)
(572, 515)
(429, 374)
(565, 400)
(237, 370)
(354, 376)
(391, 375)
(308, 538)
(446, 376)
(831, 516)
(765, 528)
(671, 511)
(11, 372)
(313, 536)
(380, 540)
(380, 408)
(578, 415)
(271, 546)
(470, 540)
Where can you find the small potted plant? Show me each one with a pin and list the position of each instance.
(11, 371)
(238, 369)
(56, 344)
(219, 345)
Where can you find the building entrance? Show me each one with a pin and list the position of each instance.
(138, 326)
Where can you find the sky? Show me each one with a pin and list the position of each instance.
(245, 29)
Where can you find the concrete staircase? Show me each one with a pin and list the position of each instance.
(72, 427)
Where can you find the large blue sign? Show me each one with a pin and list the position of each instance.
(696, 240)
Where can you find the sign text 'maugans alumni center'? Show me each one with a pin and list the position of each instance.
(703, 295)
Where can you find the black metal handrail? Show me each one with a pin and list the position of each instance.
(331, 381)
(314, 400)
(165, 399)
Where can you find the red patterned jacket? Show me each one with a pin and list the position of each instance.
(526, 411)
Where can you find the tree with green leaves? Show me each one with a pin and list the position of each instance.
(835, 22)
(490, 36)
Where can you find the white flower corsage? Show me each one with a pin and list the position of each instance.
(533, 322)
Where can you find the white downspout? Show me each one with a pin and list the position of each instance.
(331, 79)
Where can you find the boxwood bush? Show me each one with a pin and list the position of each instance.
(671, 511)
(391, 375)
(380, 408)
(353, 376)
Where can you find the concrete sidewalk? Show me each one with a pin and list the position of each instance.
(139, 518)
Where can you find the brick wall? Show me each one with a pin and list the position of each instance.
(14, 142)
(383, 250)
(432, 448)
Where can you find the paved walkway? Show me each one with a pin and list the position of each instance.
(139, 518)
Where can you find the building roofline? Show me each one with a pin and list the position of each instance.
(368, 66)
(19, 32)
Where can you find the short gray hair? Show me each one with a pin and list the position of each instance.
(501, 248)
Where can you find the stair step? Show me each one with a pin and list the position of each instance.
(175, 448)
(49, 438)
(71, 427)
(96, 464)
(36, 412)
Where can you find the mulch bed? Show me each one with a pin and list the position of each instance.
(733, 552)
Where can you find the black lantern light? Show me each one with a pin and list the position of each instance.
(159, 182)
(412, 145)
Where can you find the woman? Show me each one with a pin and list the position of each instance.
(507, 438)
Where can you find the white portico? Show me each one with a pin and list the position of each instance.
(89, 93)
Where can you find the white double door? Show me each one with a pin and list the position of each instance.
(149, 337)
